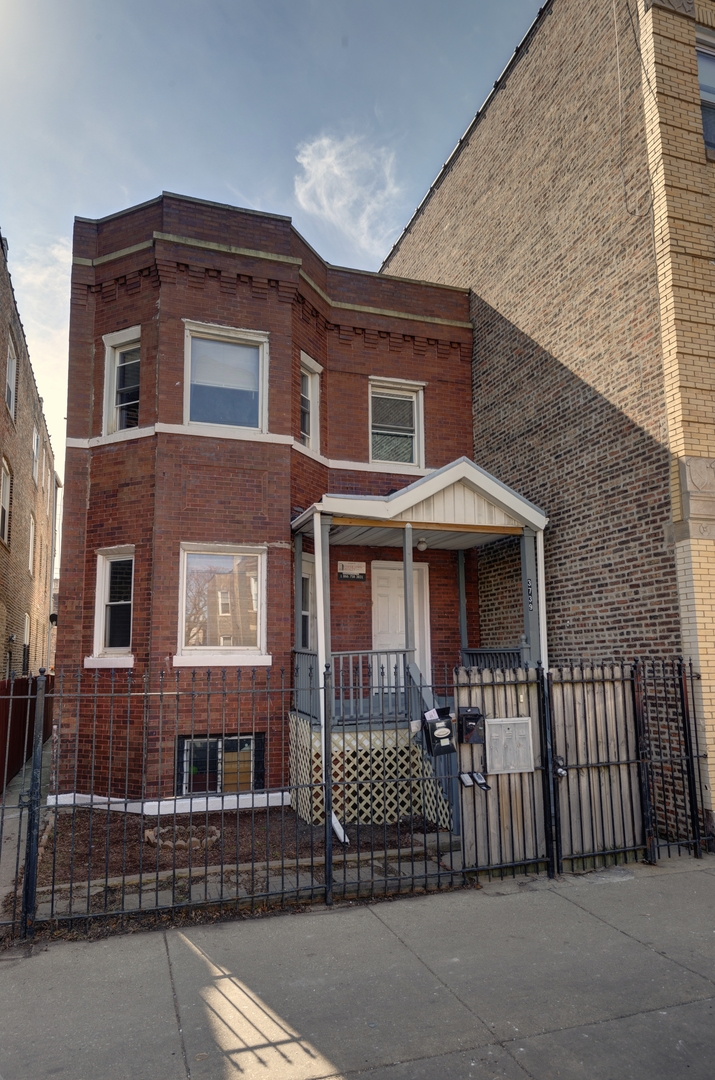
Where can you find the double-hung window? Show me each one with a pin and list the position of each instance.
(5, 489)
(226, 377)
(35, 454)
(122, 379)
(31, 559)
(706, 77)
(113, 609)
(222, 618)
(396, 423)
(11, 378)
(310, 371)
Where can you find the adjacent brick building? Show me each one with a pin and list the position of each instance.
(578, 208)
(230, 393)
(28, 497)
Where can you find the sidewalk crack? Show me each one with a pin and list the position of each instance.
(184, 1055)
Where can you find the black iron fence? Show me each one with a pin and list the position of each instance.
(239, 790)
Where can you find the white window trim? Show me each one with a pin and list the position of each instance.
(113, 344)
(240, 337)
(103, 657)
(308, 570)
(229, 656)
(33, 542)
(5, 489)
(11, 383)
(416, 390)
(35, 453)
(313, 370)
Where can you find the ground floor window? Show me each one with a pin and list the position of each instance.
(220, 765)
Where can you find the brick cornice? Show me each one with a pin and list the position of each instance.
(681, 7)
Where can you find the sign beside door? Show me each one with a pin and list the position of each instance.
(352, 571)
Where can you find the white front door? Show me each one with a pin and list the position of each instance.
(388, 610)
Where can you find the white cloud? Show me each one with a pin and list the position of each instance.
(41, 278)
(350, 185)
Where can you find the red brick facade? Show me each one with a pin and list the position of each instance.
(160, 485)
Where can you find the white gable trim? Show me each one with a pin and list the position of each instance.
(388, 507)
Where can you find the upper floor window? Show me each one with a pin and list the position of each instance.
(11, 378)
(396, 422)
(5, 489)
(35, 454)
(31, 559)
(226, 376)
(310, 371)
(706, 76)
(122, 378)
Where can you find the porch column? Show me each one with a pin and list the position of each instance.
(409, 589)
(298, 590)
(461, 577)
(321, 535)
(530, 594)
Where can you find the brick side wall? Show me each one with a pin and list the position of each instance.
(568, 394)
(22, 591)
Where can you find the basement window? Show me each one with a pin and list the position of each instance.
(220, 765)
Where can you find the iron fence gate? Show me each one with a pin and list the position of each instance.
(162, 797)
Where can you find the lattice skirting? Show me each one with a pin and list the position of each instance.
(379, 777)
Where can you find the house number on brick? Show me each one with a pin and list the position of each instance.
(352, 571)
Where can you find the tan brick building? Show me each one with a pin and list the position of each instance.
(28, 498)
(578, 207)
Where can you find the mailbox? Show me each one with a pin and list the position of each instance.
(470, 725)
(439, 731)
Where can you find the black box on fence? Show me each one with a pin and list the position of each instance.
(470, 725)
(439, 731)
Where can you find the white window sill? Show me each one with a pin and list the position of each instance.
(124, 660)
(221, 660)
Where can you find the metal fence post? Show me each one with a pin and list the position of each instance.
(29, 885)
(551, 809)
(644, 759)
(328, 789)
(689, 760)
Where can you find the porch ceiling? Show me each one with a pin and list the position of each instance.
(444, 538)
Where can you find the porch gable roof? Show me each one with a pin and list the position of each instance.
(459, 494)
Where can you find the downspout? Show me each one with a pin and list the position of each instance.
(541, 585)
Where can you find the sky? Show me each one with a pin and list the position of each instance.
(339, 113)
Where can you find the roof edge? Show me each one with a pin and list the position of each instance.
(515, 57)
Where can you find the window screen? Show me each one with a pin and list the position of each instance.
(127, 389)
(224, 383)
(118, 610)
(393, 427)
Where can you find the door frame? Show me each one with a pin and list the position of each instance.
(423, 649)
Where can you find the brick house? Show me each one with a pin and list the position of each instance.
(28, 498)
(578, 208)
(261, 450)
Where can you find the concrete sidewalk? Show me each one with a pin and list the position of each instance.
(610, 975)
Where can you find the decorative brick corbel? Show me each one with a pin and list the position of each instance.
(681, 7)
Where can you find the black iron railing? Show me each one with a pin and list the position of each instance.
(223, 790)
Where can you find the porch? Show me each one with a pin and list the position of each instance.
(399, 607)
